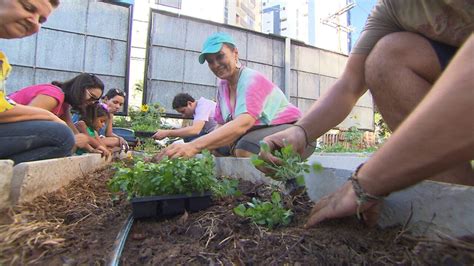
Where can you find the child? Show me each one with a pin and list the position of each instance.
(96, 117)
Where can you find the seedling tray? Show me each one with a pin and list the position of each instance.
(144, 134)
(166, 206)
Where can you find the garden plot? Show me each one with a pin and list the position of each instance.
(78, 225)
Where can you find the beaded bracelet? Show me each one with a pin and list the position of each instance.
(361, 194)
(305, 135)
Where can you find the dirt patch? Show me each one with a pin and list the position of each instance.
(78, 224)
(74, 225)
(218, 236)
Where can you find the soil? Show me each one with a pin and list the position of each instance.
(78, 224)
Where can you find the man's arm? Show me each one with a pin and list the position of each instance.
(338, 101)
(327, 112)
(192, 130)
(409, 156)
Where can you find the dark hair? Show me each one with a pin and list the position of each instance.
(94, 111)
(54, 3)
(114, 92)
(181, 100)
(75, 88)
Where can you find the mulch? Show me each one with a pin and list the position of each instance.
(78, 225)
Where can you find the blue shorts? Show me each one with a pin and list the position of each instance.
(444, 52)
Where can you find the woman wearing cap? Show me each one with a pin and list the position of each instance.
(249, 106)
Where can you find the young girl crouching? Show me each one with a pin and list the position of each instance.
(95, 118)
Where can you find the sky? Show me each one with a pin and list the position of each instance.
(359, 15)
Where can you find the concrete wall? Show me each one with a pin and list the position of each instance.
(80, 36)
(173, 67)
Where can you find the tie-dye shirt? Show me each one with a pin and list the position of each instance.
(258, 97)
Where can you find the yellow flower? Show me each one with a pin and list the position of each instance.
(144, 108)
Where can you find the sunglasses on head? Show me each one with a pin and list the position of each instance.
(120, 93)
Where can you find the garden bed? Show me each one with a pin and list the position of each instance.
(78, 225)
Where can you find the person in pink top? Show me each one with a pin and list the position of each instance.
(59, 97)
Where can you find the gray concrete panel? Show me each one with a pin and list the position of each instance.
(329, 64)
(47, 76)
(260, 49)
(198, 91)
(294, 83)
(166, 64)
(342, 63)
(279, 77)
(20, 51)
(20, 77)
(305, 104)
(106, 20)
(69, 16)
(168, 31)
(361, 117)
(308, 85)
(325, 84)
(308, 59)
(294, 101)
(366, 100)
(195, 72)
(197, 33)
(278, 52)
(64, 50)
(240, 38)
(294, 54)
(112, 82)
(266, 70)
(163, 92)
(105, 56)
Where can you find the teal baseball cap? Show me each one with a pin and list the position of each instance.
(213, 44)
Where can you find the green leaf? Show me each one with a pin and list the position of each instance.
(276, 197)
(240, 210)
(264, 146)
(317, 167)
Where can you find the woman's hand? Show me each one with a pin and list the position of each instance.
(176, 150)
(102, 150)
(160, 134)
(123, 144)
(81, 140)
(343, 203)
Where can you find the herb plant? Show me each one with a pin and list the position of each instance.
(146, 118)
(168, 177)
(291, 167)
(226, 187)
(269, 214)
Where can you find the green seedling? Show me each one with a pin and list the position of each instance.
(269, 214)
(168, 177)
(291, 166)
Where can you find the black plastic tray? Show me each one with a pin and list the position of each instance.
(145, 134)
(166, 206)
